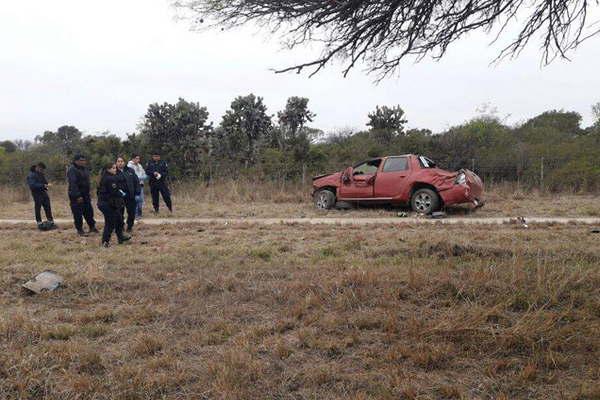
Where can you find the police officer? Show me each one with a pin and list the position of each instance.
(158, 171)
(78, 178)
(39, 190)
(131, 186)
(111, 200)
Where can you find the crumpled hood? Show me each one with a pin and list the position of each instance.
(314, 178)
(327, 179)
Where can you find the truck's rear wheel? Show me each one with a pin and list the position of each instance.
(425, 201)
(324, 199)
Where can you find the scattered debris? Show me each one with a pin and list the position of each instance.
(402, 214)
(437, 214)
(200, 230)
(46, 281)
(596, 230)
(523, 222)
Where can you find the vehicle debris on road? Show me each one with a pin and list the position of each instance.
(46, 281)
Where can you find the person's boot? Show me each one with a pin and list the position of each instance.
(123, 238)
(129, 229)
(94, 230)
(82, 233)
(105, 244)
(51, 224)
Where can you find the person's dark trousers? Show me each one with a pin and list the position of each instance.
(131, 207)
(42, 200)
(113, 221)
(81, 211)
(161, 188)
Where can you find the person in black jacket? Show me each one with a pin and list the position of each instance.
(78, 178)
(111, 200)
(131, 186)
(39, 190)
(158, 171)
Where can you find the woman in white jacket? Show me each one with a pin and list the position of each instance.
(135, 164)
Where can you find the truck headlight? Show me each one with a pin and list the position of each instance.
(461, 179)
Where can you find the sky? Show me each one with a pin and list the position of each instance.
(98, 65)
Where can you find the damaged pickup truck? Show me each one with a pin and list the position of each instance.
(399, 180)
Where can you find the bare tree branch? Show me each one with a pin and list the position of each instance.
(383, 33)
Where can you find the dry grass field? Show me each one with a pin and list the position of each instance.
(236, 199)
(304, 312)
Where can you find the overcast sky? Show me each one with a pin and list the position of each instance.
(97, 65)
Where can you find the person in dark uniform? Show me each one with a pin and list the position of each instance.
(131, 186)
(111, 200)
(158, 171)
(39, 190)
(78, 178)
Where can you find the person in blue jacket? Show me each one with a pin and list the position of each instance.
(36, 180)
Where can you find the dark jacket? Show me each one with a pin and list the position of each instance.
(160, 167)
(37, 182)
(130, 183)
(79, 182)
(110, 192)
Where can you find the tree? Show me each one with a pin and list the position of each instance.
(552, 126)
(295, 115)
(23, 145)
(244, 127)
(386, 123)
(181, 132)
(295, 136)
(382, 33)
(9, 146)
(66, 141)
(596, 113)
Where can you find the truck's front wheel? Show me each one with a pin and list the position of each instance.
(324, 199)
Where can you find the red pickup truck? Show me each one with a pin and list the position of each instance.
(406, 179)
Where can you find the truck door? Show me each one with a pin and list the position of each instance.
(392, 177)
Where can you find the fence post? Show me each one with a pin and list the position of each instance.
(542, 174)
(303, 174)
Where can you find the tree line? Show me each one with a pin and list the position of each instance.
(551, 149)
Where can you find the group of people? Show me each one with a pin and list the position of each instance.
(120, 190)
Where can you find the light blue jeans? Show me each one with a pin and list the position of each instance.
(139, 202)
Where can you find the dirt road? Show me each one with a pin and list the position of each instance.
(346, 221)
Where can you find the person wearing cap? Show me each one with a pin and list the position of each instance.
(136, 166)
(158, 171)
(78, 178)
(36, 180)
